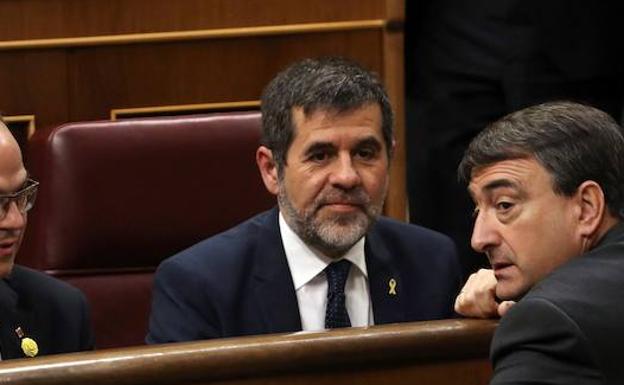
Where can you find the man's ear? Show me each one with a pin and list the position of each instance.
(592, 206)
(268, 169)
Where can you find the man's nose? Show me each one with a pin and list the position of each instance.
(484, 234)
(345, 175)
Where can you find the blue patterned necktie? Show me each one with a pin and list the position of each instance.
(336, 315)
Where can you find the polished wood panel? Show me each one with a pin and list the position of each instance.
(392, 53)
(113, 77)
(38, 19)
(434, 352)
(35, 83)
(219, 33)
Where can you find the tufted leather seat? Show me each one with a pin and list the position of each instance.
(116, 198)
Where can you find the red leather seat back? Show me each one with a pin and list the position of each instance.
(116, 198)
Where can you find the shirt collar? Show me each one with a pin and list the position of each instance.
(306, 263)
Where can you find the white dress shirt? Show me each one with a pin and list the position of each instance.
(306, 267)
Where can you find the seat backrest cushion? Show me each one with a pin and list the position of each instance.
(116, 198)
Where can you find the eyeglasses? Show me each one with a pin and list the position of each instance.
(24, 198)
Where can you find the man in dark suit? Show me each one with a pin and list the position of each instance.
(39, 315)
(471, 62)
(548, 184)
(322, 259)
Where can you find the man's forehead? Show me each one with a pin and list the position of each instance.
(12, 171)
(510, 173)
(323, 121)
(329, 113)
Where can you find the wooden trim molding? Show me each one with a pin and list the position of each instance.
(393, 47)
(220, 33)
(122, 113)
(70, 273)
(27, 119)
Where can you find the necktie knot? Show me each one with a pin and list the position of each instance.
(336, 315)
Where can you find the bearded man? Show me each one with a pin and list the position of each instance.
(324, 258)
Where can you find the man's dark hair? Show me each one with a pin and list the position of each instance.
(572, 141)
(332, 84)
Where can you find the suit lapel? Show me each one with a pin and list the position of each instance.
(273, 283)
(385, 282)
(10, 319)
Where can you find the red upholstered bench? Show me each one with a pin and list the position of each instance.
(116, 198)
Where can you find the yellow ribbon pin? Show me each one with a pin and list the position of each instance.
(29, 347)
(392, 285)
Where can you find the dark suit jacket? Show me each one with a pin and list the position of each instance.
(238, 282)
(569, 328)
(52, 313)
(579, 38)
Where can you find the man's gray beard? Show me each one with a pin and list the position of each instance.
(335, 235)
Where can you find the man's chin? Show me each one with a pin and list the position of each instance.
(341, 235)
(341, 217)
(510, 291)
(6, 266)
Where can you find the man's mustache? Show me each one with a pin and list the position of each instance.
(356, 197)
(9, 233)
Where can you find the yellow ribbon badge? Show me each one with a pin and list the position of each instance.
(29, 347)
(392, 285)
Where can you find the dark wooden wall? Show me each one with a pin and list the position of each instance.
(73, 60)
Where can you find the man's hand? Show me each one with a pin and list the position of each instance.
(478, 297)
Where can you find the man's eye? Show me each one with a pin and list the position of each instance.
(504, 206)
(366, 153)
(318, 157)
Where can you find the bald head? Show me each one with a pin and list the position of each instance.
(11, 164)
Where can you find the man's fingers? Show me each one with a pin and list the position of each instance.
(466, 306)
(477, 298)
(504, 307)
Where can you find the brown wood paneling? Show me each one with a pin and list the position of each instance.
(392, 51)
(35, 83)
(37, 19)
(114, 77)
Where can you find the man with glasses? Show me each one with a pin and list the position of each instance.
(39, 315)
